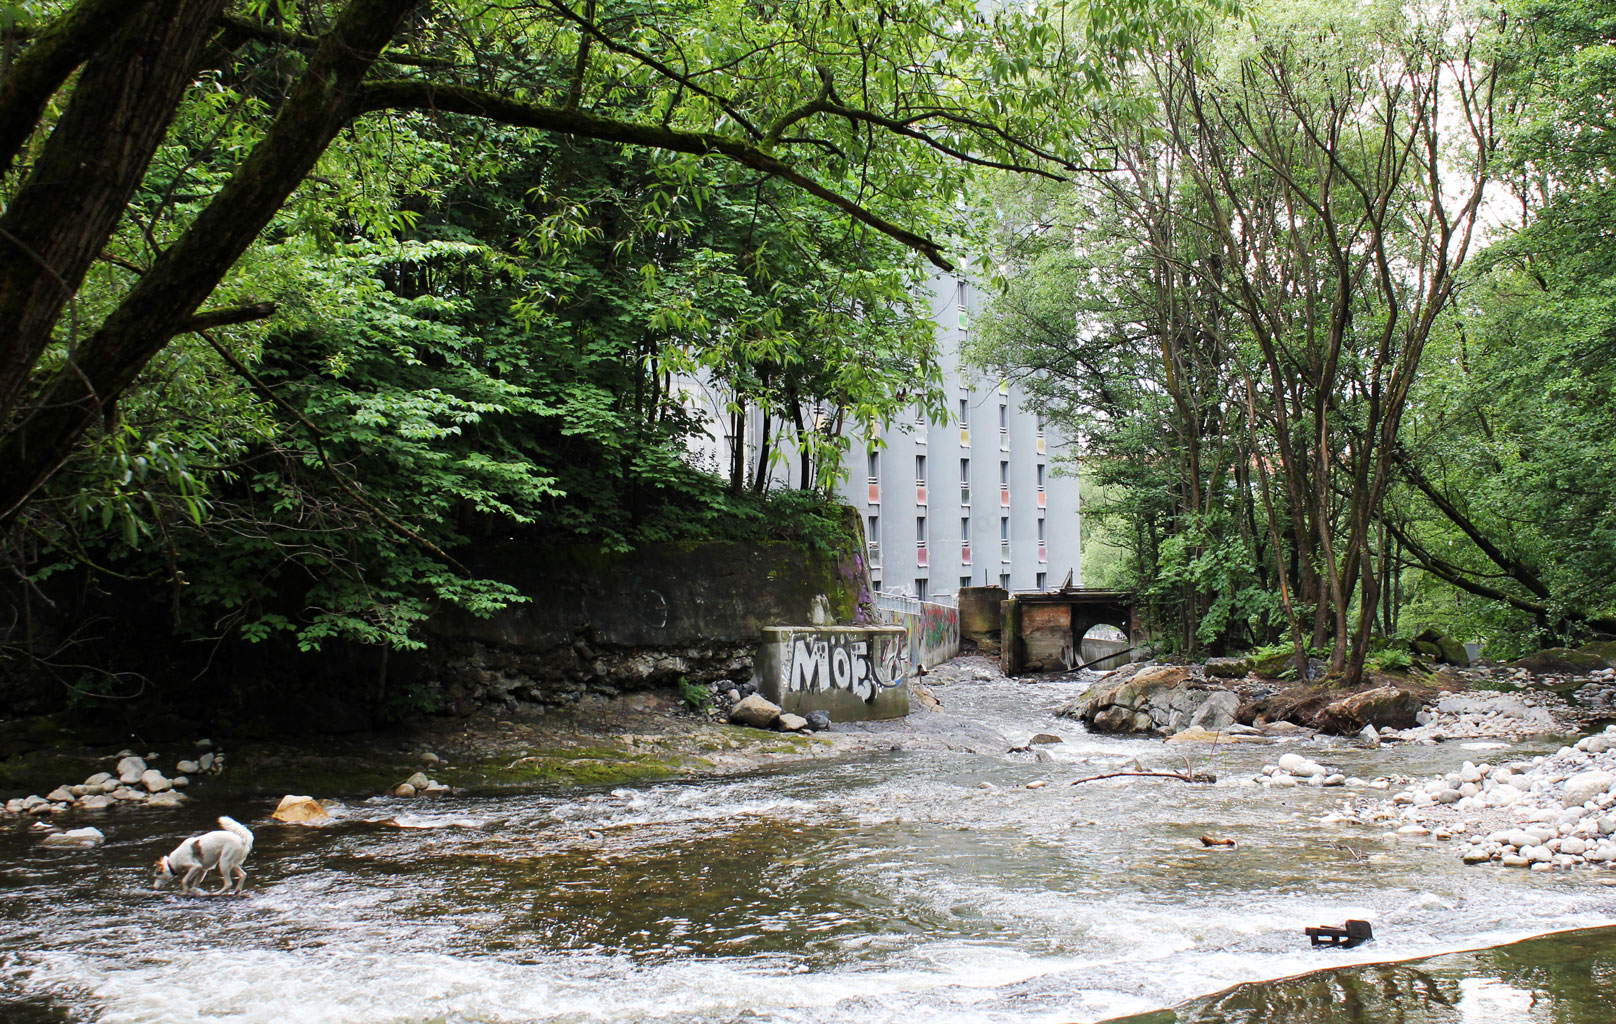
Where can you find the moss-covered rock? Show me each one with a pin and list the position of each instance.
(1439, 645)
(1228, 668)
(1561, 659)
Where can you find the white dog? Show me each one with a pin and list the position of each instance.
(223, 850)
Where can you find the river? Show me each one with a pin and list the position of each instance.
(879, 888)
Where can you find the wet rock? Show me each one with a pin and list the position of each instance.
(791, 723)
(75, 837)
(403, 789)
(755, 711)
(1046, 737)
(1438, 644)
(180, 781)
(130, 770)
(154, 782)
(59, 795)
(168, 798)
(94, 802)
(205, 762)
(428, 757)
(419, 781)
(302, 810)
(97, 779)
(1368, 738)
(818, 721)
(187, 768)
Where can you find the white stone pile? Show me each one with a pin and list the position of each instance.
(130, 782)
(1296, 770)
(1550, 812)
(1483, 715)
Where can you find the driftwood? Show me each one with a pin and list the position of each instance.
(1209, 841)
(1180, 776)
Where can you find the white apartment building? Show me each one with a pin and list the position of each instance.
(972, 501)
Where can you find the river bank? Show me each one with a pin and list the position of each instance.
(885, 873)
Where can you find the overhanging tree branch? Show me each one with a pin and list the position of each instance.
(409, 94)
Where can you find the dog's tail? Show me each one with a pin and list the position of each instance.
(237, 829)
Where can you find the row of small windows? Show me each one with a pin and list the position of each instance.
(965, 471)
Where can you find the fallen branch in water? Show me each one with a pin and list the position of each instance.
(1180, 776)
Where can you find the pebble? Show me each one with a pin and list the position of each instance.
(428, 757)
(187, 768)
(1040, 784)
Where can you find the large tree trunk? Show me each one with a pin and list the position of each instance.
(161, 303)
(97, 154)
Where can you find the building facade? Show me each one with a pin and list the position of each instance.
(970, 501)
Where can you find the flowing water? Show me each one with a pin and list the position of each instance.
(886, 887)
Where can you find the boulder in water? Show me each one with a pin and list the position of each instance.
(301, 810)
(78, 837)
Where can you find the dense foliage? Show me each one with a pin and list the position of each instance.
(1331, 317)
(301, 297)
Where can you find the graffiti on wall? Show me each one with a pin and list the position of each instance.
(934, 635)
(858, 665)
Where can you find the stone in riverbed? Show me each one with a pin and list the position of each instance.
(97, 779)
(130, 769)
(79, 837)
(167, 798)
(791, 723)
(154, 782)
(59, 795)
(1046, 737)
(187, 768)
(403, 789)
(755, 711)
(1584, 786)
(303, 810)
(1228, 668)
(818, 721)
(95, 802)
(419, 781)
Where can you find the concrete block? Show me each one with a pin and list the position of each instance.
(856, 673)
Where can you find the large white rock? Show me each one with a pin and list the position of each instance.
(154, 782)
(1289, 762)
(1584, 786)
(96, 779)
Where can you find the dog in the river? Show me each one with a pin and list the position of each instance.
(222, 850)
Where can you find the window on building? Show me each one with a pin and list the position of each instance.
(875, 583)
(920, 471)
(965, 412)
(1004, 474)
(875, 465)
(1004, 417)
(874, 532)
(1004, 580)
(920, 589)
(965, 471)
(1040, 476)
(965, 581)
(1040, 531)
(1040, 424)
(965, 528)
(1042, 581)
(1004, 528)
(920, 529)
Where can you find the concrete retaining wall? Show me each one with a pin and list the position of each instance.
(856, 673)
(934, 629)
(979, 616)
